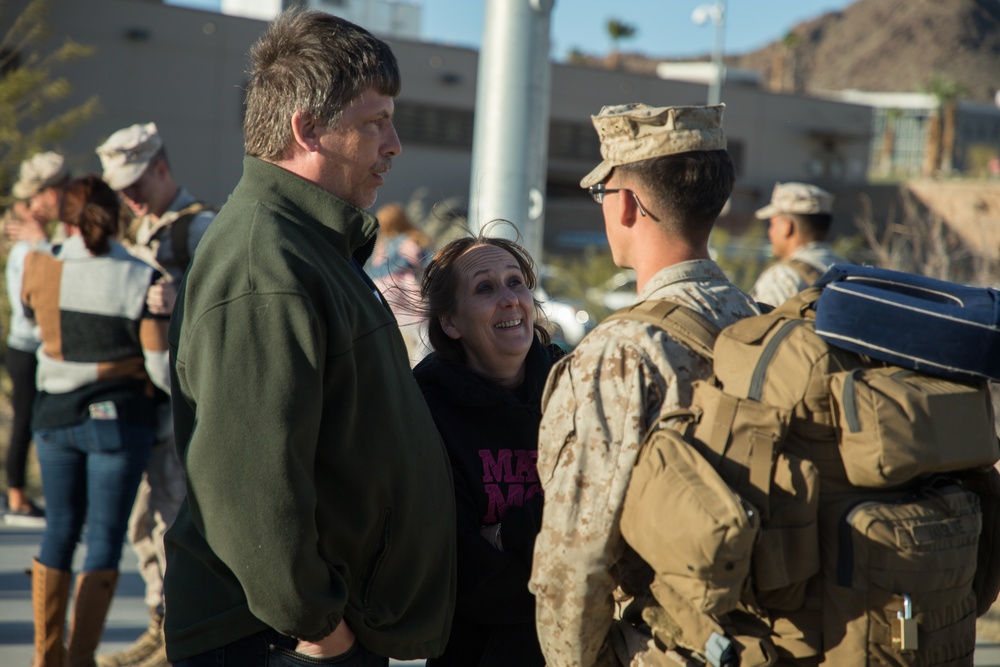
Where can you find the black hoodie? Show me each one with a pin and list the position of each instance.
(491, 434)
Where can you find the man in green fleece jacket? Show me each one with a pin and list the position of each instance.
(320, 519)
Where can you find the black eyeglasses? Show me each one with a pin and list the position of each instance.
(598, 191)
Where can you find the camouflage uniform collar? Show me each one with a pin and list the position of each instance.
(181, 201)
(149, 226)
(810, 247)
(696, 270)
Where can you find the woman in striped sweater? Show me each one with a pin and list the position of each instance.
(101, 354)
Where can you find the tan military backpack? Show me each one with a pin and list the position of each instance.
(814, 506)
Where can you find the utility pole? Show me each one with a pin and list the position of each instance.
(716, 13)
(510, 135)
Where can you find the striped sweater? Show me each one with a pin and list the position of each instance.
(99, 342)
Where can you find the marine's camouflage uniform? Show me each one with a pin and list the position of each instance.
(598, 403)
(164, 485)
(153, 242)
(781, 281)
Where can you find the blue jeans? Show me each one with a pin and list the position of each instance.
(90, 473)
(269, 648)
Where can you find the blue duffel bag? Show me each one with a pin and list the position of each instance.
(924, 324)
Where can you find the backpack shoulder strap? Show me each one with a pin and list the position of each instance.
(809, 273)
(180, 233)
(683, 323)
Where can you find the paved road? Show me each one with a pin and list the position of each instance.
(128, 616)
(126, 621)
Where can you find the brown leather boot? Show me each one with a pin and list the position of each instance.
(49, 598)
(91, 601)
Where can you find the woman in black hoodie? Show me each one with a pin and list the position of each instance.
(483, 383)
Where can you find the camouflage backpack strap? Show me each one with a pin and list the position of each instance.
(683, 323)
(809, 273)
(180, 233)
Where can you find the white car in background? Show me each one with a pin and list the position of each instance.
(616, 292)
(568, 319)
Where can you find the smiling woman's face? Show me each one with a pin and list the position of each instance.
(494, 314)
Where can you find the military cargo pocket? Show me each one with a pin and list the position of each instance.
(787, 554)
(896, 425)
(900, 588)
(694, 531)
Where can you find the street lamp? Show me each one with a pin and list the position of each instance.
(716, 13)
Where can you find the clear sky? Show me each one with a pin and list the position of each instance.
(664, 27)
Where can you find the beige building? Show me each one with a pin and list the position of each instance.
(184, 69)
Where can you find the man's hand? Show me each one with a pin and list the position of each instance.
(23, 225)
(337, 642)
(161, 297)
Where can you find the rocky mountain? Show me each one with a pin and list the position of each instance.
(888, 45)
(873, 45)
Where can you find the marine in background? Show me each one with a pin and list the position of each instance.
(168, 226)
(799, 215)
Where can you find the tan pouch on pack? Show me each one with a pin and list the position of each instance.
(922, 547)
(739, 638)
(896, 424)
(742, 438)
(687, 524)
(985, 483)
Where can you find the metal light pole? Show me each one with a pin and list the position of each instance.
(715, 13)
(510, 136)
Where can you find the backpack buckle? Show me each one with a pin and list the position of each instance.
(719, 651)
(907, 625)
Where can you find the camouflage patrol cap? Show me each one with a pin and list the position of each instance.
(636, 132)
(796, 198)
(40, 171)
(127, 153)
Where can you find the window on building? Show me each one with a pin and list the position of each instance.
(737, 151)
(574, 141)
(441, 126)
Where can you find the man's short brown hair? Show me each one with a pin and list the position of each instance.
(686, 190)
(312, 62)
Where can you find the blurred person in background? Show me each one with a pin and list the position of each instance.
(39, 187)
(397, 266)
(799, 216)
(46, 198)
(94, 419)
(483, 383)
(168, 226)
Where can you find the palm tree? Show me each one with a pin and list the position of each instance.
(618, 31)
(888, 140)
(940, 150)
(790, 44)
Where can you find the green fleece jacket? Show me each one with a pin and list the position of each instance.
(318, 486)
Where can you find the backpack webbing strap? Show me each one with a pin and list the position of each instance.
(683, 323)
(743, 462)
(180, 233)
(809, 273)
